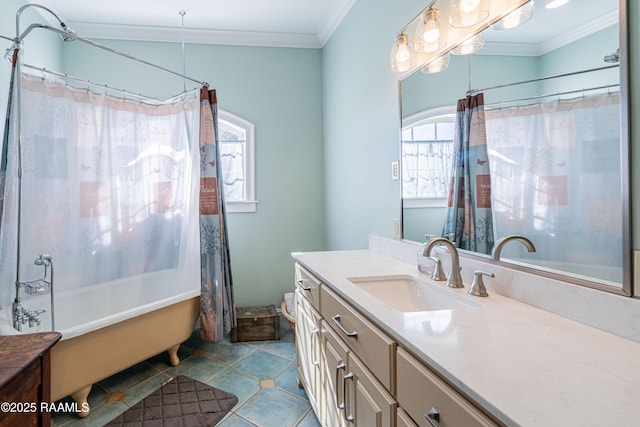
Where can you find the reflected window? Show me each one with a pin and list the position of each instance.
(427, 153)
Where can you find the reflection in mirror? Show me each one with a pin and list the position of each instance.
(554, 143)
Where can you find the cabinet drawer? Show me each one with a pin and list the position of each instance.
(403, 420)
(371, 345)
(309, 285)
(420, 390)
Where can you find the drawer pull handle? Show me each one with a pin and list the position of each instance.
(349, 376)
(313, 353)
(340, 367)
(433, 417)
(301, 284)
(336, 320)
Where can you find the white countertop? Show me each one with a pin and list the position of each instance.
(524, 365)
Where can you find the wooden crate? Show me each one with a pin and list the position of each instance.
(256, 324)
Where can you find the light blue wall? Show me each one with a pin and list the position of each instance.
(361, 123)
(279, 90)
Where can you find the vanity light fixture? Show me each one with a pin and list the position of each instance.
(469, 46)
(430, 34)
(552, 4)
(440, 64)
(516, 18)
(402, 56)
(465, 13)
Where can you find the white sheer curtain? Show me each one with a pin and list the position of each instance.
(110, 189)
(555, 174)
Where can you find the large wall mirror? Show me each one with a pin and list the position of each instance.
(557, 138)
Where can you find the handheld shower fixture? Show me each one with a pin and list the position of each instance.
(43, 259)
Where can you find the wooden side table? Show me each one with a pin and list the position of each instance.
(25, 378)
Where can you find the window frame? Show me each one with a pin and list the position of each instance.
(422, 117)
(249, 204)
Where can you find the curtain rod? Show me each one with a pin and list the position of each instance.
(554, 94)
(101, 86)
(474, 91)
(101, 46)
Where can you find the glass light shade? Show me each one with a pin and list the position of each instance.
(516, 18)
(438, 65)
(465, 13)
(470, 45)
(552, 4)
(430, 34)
(402, 56)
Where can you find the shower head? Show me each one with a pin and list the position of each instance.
(43, 259)
(613, 57)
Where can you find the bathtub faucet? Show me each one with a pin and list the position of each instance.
(23, 315)
(34, 287)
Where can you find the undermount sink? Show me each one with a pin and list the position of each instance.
(406, 293)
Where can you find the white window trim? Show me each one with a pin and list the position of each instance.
(250, 204)
(424, 117)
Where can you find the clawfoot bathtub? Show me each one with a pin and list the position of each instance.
(95, 350)
(77, 363)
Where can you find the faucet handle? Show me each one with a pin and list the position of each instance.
(477, 287)
(438, 273)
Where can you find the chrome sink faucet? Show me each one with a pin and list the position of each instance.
(455, 279)
(497, 248)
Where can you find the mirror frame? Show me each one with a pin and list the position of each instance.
(625, 174)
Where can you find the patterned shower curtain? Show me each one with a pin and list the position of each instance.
(217, 309)
(469, 215)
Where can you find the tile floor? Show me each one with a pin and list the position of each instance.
(262, 374)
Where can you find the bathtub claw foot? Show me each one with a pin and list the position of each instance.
(174, 360)
(80, 397)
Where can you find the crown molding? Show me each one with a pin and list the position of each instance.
(538, 49)
(577, 33)
(194, 35)
(334, 19)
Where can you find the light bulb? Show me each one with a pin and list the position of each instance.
(466, 13)
(469, 5)
(403, 54)
(430, 33)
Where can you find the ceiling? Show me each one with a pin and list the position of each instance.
(284, 23)
(295, 23)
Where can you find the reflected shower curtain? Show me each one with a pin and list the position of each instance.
(469, 217)
(217, 309)
(109, 190)
(559, 184)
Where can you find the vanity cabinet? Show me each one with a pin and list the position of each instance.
(334, 368)
(429, 401)
(362, 337)
(356, 375)
(308, 352)
(354, 396)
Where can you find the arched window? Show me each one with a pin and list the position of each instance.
(236, 136)
(427, 151)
